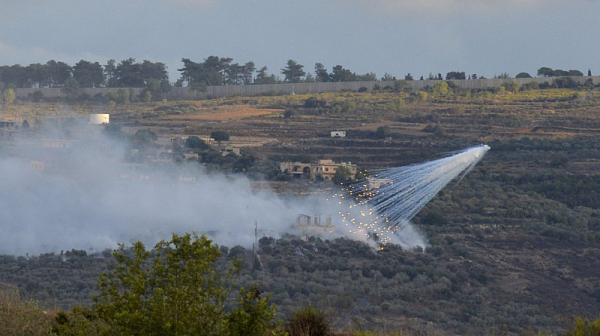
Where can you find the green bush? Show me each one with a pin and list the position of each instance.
(79, 322)
(177, 290)
(18, 317)
(308, 322)
(585, 327)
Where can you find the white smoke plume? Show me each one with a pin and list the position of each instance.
(85, 197)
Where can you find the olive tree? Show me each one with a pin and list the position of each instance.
(342, 174)
(177, 289)
(220, 136)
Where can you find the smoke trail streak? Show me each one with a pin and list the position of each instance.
(387, 201)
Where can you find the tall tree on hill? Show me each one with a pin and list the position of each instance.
(153, 70)
(560, 72)
(213, 71)
(37, 75)
(15, 76)
(452, 75)
(523, 75)
(575, 73)
(128, 74)
(88, 74)
(321, 73)
(387, 77)
(58, 72)
(368, 77)
(216, 66)
(110, 70)
(340, 74)
(263, 77)
(247, 72)
(233, 74)
(293, 72)
(545, 72)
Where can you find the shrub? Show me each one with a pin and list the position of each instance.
(37, 96)
(220, 136)
(307, 322)
(288, 113)
(195, 142)
(585, 327)
(313, 102)
(19, 317)
(79, 321)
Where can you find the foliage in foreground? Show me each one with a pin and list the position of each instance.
(176, 289)
(308, 322)
(585, 327)
(18, 317)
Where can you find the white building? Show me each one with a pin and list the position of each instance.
(99, 119)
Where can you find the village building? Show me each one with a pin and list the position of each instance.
(38, 165)
(57, 143)
(338, 134)
(323, 168)
(191, 156)
(309, 226)
(8, 129)
(228, 149)
(376, 183)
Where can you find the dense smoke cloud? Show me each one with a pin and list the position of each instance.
(87, 198)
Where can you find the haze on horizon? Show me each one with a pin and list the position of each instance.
(395, 36)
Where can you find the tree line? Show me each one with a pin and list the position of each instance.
(127, 73)
(212, 71)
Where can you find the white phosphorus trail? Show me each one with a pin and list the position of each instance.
(386, 201)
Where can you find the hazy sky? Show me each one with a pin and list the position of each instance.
(486, 37)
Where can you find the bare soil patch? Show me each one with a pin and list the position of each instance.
(223, 113)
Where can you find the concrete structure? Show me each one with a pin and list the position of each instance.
(57, 143)
(296, 169)
(99, 118)
(338, 134)
(304, 88)
(8, 129)
(324, 168)
(376, 183)
(310, 226)
(38, 165)
(191, 156)
(228, 149)
(328, 168)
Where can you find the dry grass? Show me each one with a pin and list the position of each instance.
(230, 112)
(18, 317)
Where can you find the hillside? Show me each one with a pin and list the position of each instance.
(514, 247)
